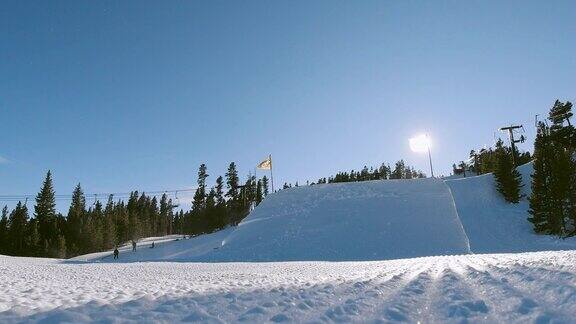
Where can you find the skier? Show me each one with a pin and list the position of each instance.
(152, 245)
(133, 246)
(116, 253)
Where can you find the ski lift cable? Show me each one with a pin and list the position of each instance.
(97, 196)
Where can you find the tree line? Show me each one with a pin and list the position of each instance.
(553, 199)
(486, 160)
(382, 172)
(87, 229)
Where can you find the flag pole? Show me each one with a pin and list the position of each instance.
(271, 176)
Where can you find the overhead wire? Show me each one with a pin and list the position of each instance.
(97, 196)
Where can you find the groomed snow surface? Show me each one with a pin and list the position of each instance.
(413, 224)
(525, 287)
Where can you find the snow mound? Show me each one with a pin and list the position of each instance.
(373, 220)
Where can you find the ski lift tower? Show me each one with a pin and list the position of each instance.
(513, 142)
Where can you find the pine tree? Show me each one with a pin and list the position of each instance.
(399, 170)
(199, 203)
(92, 230)
(17, 228)
(259, 193)
(122, 222)
(4, 231)
(560, 112)
(508, 179)
(563, 169)
(232, 182)
(132, 211)
(154, 221)
(475, 161)
(109, 225)
(60, 247)
(553, 199)
(33, 239)
(234, 205)
(384, 171)
(220, 191)
(45, 213)
(212, 211)
(76, 240)
(221, 212)
(571, 202)
(265, 186)
(165, 218)
(564, 134)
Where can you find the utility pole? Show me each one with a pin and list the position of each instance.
(513, 142)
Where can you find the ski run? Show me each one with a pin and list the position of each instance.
(526, 287)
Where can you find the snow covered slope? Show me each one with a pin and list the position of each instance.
(495, 226)
(167, 248)
(508, 288)
(373, 220)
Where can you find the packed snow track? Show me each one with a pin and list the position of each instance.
(526, 287)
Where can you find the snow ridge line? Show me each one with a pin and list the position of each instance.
(458, 216)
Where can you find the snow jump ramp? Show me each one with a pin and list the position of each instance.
(374, 220)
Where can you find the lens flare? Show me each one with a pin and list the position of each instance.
(420, 143)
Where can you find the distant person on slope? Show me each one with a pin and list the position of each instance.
(133, 246)
(116, 253)
(152, 245)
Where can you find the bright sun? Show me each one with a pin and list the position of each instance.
(420, 143)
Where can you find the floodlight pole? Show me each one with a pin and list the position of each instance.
(430, 158)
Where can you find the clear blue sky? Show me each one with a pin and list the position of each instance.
(122, 95)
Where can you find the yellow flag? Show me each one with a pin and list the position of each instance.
(266, 164)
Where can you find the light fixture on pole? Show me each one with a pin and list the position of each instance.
(421, 144)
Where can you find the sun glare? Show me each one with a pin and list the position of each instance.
(420, 143)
